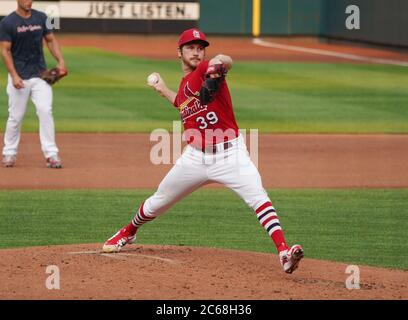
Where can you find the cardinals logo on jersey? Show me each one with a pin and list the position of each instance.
(189, 93)
(191, 106)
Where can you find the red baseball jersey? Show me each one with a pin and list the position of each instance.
(205, 124)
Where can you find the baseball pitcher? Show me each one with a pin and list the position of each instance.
(21, 38)
(215, 152)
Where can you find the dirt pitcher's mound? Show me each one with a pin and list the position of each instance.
(171, 272)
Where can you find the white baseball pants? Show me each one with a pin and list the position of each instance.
(232, 168)
(40, 93)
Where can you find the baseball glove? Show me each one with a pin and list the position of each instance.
(51, 76)
(216, 71)
(213, 77)
(208, 90)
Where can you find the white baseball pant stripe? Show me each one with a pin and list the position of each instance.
(40, 93)
(232, 168)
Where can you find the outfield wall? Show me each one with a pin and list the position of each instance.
(381, 21)
(278, 17)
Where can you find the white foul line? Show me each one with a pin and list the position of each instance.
(85, 252)
(147, 256)
(329, 53)
(113, 256)
(123, 255)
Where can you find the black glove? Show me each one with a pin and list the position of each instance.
(213, 77)
(209, 89)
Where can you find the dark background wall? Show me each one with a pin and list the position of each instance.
(226, 17)
(278, 17)
(383, 22)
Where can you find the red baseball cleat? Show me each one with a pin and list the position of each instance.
(118, 240)
(290, 258)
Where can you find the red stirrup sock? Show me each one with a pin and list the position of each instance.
(268, 218)
(139, 219)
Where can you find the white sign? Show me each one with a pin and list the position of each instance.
(116, 9)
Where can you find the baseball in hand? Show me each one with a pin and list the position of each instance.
(152, 79)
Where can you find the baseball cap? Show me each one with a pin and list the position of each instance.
(192, 35)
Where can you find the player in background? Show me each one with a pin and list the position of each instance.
(216, 152)
(21, 38)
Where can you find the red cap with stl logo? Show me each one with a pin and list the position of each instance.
(192, 35)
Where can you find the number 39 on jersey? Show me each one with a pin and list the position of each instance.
(210, 118)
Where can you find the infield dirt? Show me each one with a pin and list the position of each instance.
(122, 161)
(171, 272)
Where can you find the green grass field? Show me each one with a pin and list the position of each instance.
(352, 226)
(107, 92)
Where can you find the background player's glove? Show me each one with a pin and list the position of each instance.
(213, 77)
(53, 75)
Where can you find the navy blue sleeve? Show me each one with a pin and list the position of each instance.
(5, 32)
